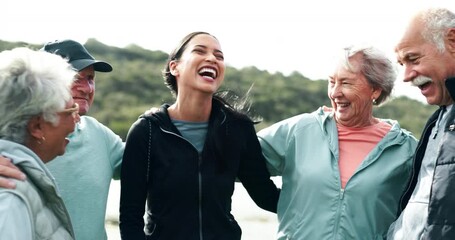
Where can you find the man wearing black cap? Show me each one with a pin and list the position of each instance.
(82, 61)
(94, 154)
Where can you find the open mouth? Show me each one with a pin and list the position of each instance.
(421, 82)
(208, 72)
(342, 105)
(423, 86)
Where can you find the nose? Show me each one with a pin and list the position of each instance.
(211, 58)
(335, 91)
(85, 86)
(409, 74)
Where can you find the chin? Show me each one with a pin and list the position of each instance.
(83, 110)
(61, 153)
(431, 101)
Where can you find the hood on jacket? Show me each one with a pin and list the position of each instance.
(21, 155)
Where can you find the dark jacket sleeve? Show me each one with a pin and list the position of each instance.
(254, 175)
(133, 183)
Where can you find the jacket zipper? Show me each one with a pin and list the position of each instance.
(200, 197)
(342, 192)
(340, 202)
(199, 180)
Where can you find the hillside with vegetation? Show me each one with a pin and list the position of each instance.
(136, 84)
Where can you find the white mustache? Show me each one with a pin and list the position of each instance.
(420, 80)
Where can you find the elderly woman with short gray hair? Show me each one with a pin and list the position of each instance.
(343, 169)
(37, 114)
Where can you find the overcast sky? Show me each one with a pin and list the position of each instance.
(282, 35)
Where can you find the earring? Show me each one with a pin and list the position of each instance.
(43, 140)
(374, 101)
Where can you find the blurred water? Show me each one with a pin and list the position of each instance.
(256, 224)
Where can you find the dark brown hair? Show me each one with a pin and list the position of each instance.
(240, 106)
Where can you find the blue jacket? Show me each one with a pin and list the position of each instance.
(189, 195)
(312, 205)
(34, 209)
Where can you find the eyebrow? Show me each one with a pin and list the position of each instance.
(406, 56)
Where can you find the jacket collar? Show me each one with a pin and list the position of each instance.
(450, 84)
(396, 132)
(162, 118)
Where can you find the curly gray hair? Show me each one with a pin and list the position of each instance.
(32, 83)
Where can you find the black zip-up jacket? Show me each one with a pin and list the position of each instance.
(441, 209)
(189, 194)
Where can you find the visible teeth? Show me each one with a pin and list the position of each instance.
(343, 104)
(420, 80)
(209, 70)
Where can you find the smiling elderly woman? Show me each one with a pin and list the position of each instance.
(37, 114)
(343, 170)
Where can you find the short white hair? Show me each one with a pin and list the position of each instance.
(32, 83)
(436, 23)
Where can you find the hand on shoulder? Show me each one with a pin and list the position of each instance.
(9, 170)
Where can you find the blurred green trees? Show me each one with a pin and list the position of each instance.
(136, 84)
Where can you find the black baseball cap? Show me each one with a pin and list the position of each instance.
(77, 55)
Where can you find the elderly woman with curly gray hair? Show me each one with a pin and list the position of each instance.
(37, 114)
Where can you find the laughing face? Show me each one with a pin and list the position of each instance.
(351, 95)
(425, 66)
(83, 89)
(53, 137)
(201, 66)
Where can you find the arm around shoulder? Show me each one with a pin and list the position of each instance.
(254, 175)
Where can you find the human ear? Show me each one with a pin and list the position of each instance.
(173, 68)
(376, 93)
(34, 127)
(451, 40)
